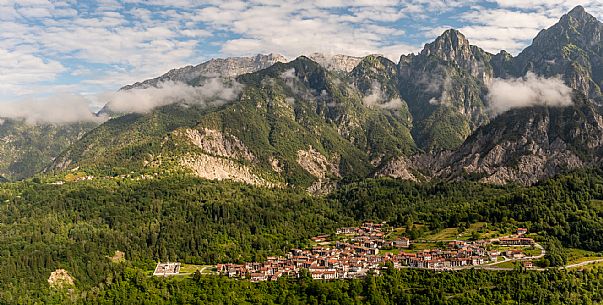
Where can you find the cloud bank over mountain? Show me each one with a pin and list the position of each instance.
(59, 109)
(213, 92)
(531, 90)
(71, 108)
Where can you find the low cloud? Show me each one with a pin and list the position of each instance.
(71, 108)
(59, 109)
(212, 92)
(302, 91)
(288, 74)
(378, 99)
(437, 82)
(531, 90)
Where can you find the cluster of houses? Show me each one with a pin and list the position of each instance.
(359, 253)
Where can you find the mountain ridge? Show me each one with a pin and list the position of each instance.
(318, 120)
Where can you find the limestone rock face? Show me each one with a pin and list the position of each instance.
(338, 62)
(399, 168)
(60, 278)
(452, 46)
(317, 164)
(216, 168)
(219, 67)
(522, 146)
(214, 142)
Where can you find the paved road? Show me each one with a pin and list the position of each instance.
(542, 252)
(594, 261)
(581, 264)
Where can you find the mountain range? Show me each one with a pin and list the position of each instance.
(320, 119)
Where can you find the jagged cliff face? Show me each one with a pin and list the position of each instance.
(530, 144)
(453, 47)
(522, 146)
(444, 87)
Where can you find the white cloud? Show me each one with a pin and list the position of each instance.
(70, 108)
(531, 90)
(119, 42)
(296, 27)
(515, 23)
(104, 38)
(376, 98)
(214, 91)
(20, 69)
(65, 108)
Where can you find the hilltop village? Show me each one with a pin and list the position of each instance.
(355, 251)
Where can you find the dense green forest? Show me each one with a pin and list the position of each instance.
(409, 286)
(78, 225)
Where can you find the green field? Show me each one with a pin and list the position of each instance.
(577, 256)
(453, 233)
(393, 251)
(532, 251)
(507, 264)
(188, 269)
(445, 234)
(397, 233)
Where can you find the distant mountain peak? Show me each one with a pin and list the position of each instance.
(336, 62)
(452, 45)
(453, 34)
(578, 10)
(578, 17)
(579, 13)
(451, 39)
(224, 67)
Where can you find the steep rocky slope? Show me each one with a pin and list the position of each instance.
(337, 62)
(445, 86)
(527, 145)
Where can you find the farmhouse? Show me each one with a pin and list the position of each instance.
(166, 269)
(403, 242)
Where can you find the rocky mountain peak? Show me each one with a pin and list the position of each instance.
(453, 47)
(577, 26)
(450, 46)
(579, 14)
(573, 47)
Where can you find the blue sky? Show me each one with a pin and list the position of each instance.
(85, 48)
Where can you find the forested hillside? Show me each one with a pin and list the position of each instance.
(411, 287)
(78, 225)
